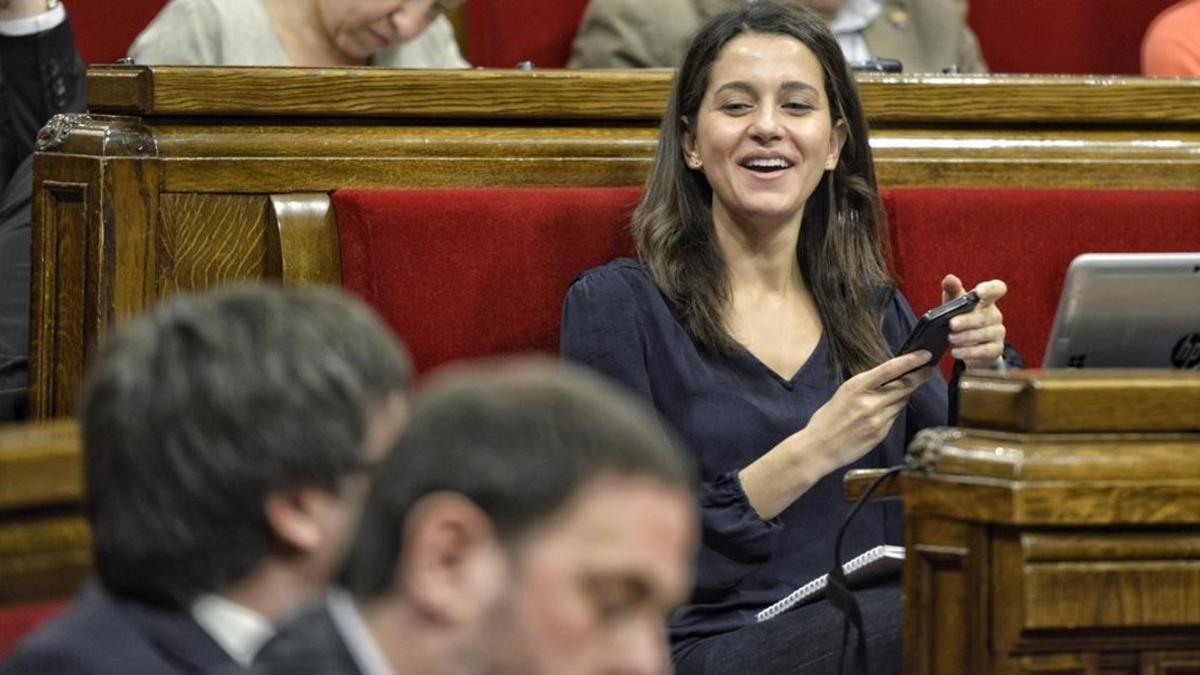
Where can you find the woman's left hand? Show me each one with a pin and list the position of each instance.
(977, 337)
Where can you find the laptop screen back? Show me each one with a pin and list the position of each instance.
(1128, 310)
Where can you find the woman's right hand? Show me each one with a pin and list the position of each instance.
(865, 407)
(855, 420)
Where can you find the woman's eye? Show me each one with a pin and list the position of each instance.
(735, 107)
(797, 106)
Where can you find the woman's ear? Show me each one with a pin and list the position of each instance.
(687, 141)
(837, 140)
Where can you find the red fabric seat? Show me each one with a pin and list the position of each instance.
(1063, 36)
(18, 620)
(104, 30)
(468, 273)
(503, 33)
(1027, 237)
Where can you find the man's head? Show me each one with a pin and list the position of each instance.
(227, 430)
(532, 520)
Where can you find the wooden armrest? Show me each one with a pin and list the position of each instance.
(856, 481)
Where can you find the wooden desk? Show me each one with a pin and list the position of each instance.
(167, 183)
(1060, 531)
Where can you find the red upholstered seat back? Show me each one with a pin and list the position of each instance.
(16, 621)
(468, 273)
(1027, 237)
(1063, 36)
(104, 30)
(503, 33)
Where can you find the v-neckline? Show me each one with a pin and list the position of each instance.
(788, 382)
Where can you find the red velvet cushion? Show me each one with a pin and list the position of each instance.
(18, 620)
(503, 33)
(1063, 36)
(1027, 237)
(467, 273)
(104, 30)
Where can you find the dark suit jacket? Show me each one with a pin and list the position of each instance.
(40, 75)
(308, 643)
(101, 634)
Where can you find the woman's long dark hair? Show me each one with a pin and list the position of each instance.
(841, 250)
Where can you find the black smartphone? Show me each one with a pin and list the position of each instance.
(932, 331)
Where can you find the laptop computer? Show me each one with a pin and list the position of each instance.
(1128, 310)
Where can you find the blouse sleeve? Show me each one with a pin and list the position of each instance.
(603, 328)
(600, 329)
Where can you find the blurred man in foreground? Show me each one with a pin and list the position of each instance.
(228, 440)
(531, 520)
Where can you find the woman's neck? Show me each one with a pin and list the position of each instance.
(303, 34)
(759, 258)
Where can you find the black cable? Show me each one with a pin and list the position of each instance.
(838, 589)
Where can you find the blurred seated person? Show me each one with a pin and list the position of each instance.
(1172, 43)
(315, 33)
(926, 36)
(41, 75)
(228, 441)
(531, 521)
(760, 321)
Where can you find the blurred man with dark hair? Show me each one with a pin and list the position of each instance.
(530, 520)
(227, 440)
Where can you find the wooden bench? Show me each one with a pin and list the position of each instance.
(177, 177)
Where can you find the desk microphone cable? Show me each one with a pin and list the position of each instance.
(838, 589)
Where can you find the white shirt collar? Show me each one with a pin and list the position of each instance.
(39, 23)
(238, 630)
(359, 641)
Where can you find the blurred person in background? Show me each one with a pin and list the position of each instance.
(314, 33)
(924, 35)
(228, 442)
(1172, 43)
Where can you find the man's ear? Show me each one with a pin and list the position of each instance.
(296, 517)
(453, 566)
(687, 140)
(837, 140)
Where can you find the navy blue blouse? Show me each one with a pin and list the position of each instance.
(731, 409)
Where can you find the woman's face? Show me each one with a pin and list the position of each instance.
(763, 135)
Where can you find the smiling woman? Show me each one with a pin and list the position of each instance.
(760, 321)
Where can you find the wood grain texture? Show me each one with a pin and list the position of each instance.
(208, 240)
(43, 557)
(633, 94)
(1122, 594)
(44, 543)
(378, 92)
(66, 236)
(39, 465)
(1081, 400)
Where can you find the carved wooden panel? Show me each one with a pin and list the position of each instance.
(938, 600)
(64, 295)
(206, 240)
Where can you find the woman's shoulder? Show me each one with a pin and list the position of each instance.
(623, 278)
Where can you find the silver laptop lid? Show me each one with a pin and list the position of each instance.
(1128, 310)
